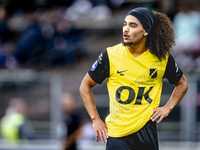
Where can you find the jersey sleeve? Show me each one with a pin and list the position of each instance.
(100, 68)
(173, 73)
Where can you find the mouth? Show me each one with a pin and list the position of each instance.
(125, 36)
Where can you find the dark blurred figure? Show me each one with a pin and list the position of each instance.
(66, 45)
(4, 35)
(31, 44)
(72, 121)
(187, 28)
(15, 125)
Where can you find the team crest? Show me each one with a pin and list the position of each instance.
(153, 73)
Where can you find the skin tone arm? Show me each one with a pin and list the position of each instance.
(89, 103)
(178, 93)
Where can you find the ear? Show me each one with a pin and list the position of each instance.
(145, 34)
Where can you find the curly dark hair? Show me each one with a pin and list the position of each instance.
(161, 38)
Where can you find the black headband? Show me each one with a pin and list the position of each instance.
(146, 17)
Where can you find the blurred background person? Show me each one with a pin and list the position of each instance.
(72, 121)
(66, 45)
(30, 45)
(187, 29)
(4, 36)
(14, 124)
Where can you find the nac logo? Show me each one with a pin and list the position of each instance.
(153, 73)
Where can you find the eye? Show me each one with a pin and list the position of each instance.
(133, 25)
(124, 23)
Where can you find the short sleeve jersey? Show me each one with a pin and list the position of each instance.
(134, 86)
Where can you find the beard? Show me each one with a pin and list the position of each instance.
(127, 44)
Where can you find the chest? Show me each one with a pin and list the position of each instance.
(146, 70)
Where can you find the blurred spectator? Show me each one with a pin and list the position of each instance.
(15, 125)
(4, 35)
(66, 45)
(31, 44)
(72, 121)
(187, 28)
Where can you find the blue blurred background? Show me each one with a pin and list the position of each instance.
(47, 46)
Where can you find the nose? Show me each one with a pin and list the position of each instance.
(126, 28)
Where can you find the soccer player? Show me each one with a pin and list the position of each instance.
(134, 70)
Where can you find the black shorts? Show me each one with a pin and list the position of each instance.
(145, 139)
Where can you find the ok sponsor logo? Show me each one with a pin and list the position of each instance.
(133, 94)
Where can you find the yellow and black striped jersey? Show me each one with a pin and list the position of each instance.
(134, 86)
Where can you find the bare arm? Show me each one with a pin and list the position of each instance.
(89, 103)
(178, 93)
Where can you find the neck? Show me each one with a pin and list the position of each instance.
(138, 47)
(137, 50)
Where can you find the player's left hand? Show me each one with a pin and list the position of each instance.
(160, 113)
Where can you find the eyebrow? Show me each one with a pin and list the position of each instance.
(132, 23)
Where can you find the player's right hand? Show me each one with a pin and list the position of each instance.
(100, 130)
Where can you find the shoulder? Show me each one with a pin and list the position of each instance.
(173, 73)
(119, 48)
